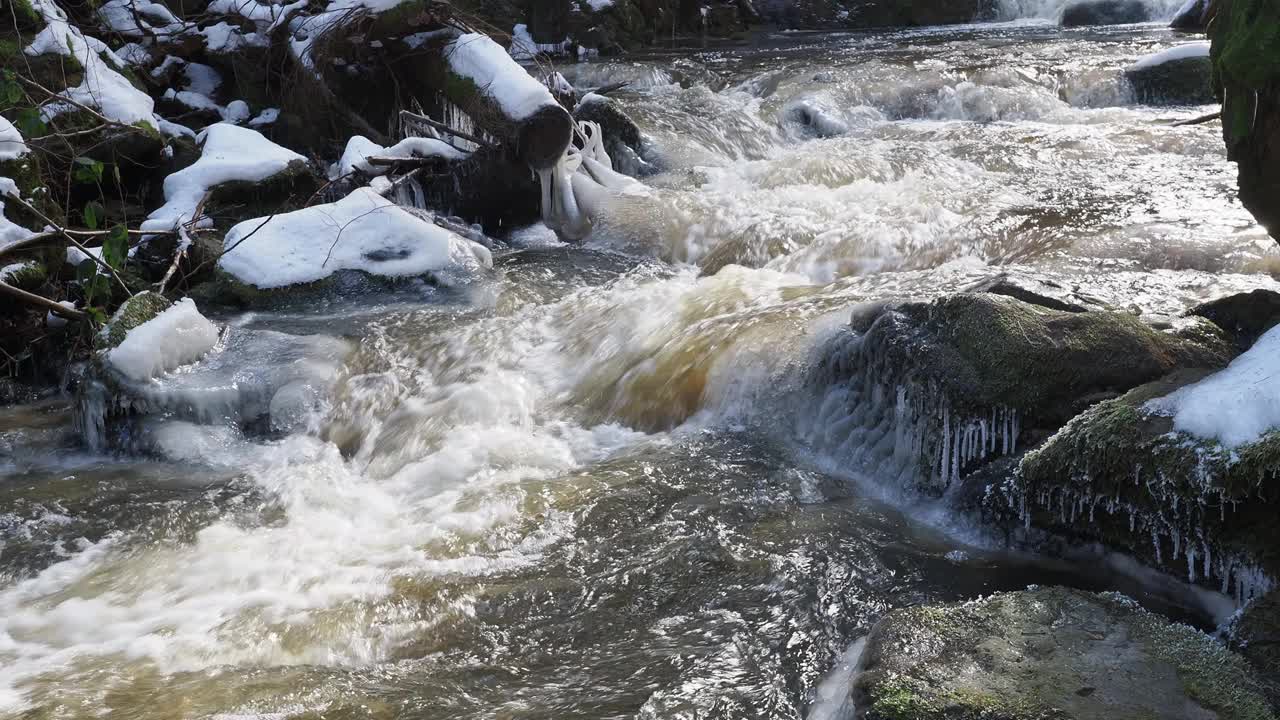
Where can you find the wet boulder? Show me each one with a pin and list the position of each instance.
(1182, 75)
(1124, 474)
(623, 140)
(1244, 316)
(1104, 12)
(1049, 653)
(931, 390)
(1192, 17)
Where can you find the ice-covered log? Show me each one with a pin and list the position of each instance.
(476, 74)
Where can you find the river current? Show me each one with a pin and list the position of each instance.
(600, 482)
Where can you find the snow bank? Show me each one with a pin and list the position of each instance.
(10, 232)
(483, 61)
(139, 19)
(229, 153)
(363, 231)
(103, 88)
(360, 148)
(306, 30)
(1179, 52)
(12, 145)
(175, 337)
(1234, 406)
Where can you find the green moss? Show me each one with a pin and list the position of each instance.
(899, 701)
(1246, 59)
(28, 19)
(132, 313)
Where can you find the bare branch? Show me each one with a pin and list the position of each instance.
(47, 304)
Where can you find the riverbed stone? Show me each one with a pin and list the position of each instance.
(1243, 316)
(1050, 653)
(1120, 474)
(1186, 81)
(1104, 12)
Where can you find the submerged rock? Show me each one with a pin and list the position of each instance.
(1105, 12)
(936, 388)
(1181, 75)
(1049, 653)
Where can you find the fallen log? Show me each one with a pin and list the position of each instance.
(478, 76)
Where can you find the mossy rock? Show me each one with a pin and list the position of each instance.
(287, 190)
(28, 275)
(1246, 66)
(1049, 654)
(1256, 635)
(1243, 316)
(1120, 475)
(28, 20)
(132, 313)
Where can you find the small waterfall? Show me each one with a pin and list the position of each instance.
(1052, 9)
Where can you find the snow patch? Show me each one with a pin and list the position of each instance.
(1179, 52)
(1235, 406)
(229, 153)
(9, 231)
(523, 46)
(103, 88)
(363, 231)
(176, 337)
(12, 145)
(483, 61)
(360, 148)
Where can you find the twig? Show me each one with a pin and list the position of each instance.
(1200, 120)
(51, 306)
(380, 161)
(103, 263)
(413, 117)
(184, 243)
(62, 98)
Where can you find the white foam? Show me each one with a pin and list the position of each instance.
(175, 337)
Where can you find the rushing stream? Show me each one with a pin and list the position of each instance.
(602, 481)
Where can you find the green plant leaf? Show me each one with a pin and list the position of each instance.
(97, 314)
(87, 170)
(93, 214)
(115, 251)
(98, 288)
(29, 123)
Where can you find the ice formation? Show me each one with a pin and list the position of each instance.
(577, 190)
(229, 153)
(176, 337)
(363, 231)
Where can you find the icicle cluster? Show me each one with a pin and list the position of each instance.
(1175, 528)
(576, 191)
(887, 419)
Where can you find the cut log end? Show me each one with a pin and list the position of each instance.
(544, 136)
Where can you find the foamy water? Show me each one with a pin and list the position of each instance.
(591, 485)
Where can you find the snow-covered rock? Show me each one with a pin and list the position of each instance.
(12, 146)
(1235, 406)
(176, 337)
(103, 88)
(229, 153)
(359, 149)
(363, 231)
(1180, 75)
(10, 232)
